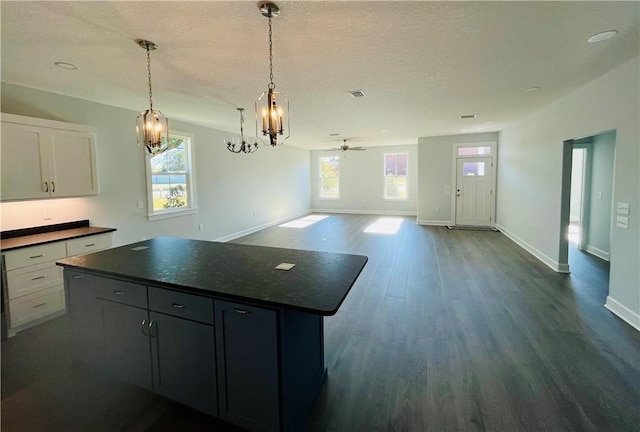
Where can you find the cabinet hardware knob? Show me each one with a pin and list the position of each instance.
(89, 245)
(39, 277)
(118, 292)
(39, 305)
(242, 311)
(53, 187)
(177, 305)
(37, 256)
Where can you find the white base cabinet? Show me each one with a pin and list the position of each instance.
(35, 286)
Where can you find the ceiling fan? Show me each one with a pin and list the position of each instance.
(345, 147)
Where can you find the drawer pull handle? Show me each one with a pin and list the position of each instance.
(37, 256)
(53, 187)
(89, 245)
(178, 305)
(39, 305)
(77, 276)
(143, 326)
(118, 292)
(242, 311)
(46, 186)
(39, 277)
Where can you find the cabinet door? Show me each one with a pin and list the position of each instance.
(127, 354)
(184, 361)
(86, 322)
(25, 162)
(247, 348)
(74, 164)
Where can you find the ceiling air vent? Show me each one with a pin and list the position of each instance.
(468, 116)
(357, 93)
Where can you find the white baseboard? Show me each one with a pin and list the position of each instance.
(433, 222)
(366, 212)
(261, 227)
(554, 265)
(597, 252)
(623, 312)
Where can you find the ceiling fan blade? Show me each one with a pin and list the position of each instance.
(356, 148)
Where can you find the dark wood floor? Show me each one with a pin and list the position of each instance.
(444, 330)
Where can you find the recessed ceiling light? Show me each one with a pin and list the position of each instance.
(489, 122)
(384, 130)
(65, 65)
(532, 89)
(602, 36)
(468, 116)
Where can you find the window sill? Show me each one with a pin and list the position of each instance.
(172, 213)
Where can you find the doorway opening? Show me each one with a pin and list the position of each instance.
(587, 202)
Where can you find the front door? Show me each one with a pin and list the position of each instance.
(473, 191)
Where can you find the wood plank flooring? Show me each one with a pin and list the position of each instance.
(443, 331)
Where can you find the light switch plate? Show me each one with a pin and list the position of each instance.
(622, 222)
(623, 208)
(285, 266)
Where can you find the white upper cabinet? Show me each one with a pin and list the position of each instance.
(46, 159)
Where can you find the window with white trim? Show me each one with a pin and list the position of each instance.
(170, 179)
(329, 177)
(396, 183)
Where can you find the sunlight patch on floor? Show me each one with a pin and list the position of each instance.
(384, 226)
(303, 222)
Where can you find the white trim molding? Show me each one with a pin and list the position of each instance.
(597, 252)
(367, 212)
(623, 312)
(261, 227)
(554, 265)
(433, 222)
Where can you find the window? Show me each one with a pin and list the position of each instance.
(474, 151)
(330, 177)
(170, 180)
(472, 169)
(395, 176)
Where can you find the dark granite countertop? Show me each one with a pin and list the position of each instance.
(318, 283)
(26, 237)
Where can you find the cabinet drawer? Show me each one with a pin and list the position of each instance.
(122, 292)
(33, 306)
(182, 305)
(32, 279)
(88, 244)
(34, 255)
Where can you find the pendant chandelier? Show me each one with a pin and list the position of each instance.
(274, 118)
(152, 127)
(245, 147)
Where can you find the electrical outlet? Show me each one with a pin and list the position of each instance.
(140, 204)
(201, 227)
(47, 214)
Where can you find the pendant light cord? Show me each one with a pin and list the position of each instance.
(149, 74)
(271, 84)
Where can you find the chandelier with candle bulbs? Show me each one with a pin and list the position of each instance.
(243, 146)
(272, 117)
(152, 127)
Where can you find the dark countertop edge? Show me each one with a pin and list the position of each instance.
(213, 294)
(22, 232)
(93, 231)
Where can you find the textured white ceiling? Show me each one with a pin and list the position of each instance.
(421, 64)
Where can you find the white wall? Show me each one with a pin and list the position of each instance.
(530, 175)
(435, 161)
(362, 182)
(601, 194)
(273, 183)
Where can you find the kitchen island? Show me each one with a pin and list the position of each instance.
(211, 325)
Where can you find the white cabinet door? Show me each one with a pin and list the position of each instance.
(74, 164)
(25, 162)
(46, 159)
